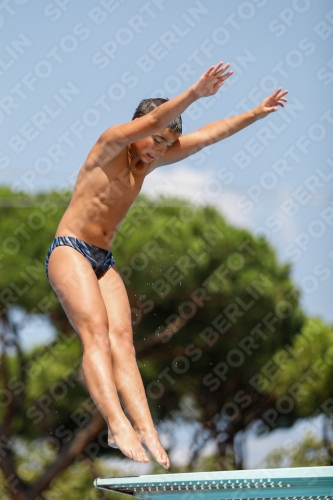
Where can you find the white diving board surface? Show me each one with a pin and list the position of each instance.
(305, 483)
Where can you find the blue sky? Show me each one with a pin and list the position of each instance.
(71, 69)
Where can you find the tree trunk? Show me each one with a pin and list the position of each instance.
(18, 490)
(69, 454)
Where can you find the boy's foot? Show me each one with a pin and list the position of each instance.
(125, 438)
(150, 439)
(111, 440)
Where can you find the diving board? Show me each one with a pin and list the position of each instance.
(305, 483)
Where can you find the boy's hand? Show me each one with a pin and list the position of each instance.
(271, 103)
(210, 82)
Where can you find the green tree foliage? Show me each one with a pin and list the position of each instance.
(27, 227)
(310, 452)
(211, 305)
(302, 383)
(74, 483)
(306, 370)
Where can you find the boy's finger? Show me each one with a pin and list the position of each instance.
(282, 94)
(222, 70)
(227, 75)
(217, 68)
(276, 92)
(209, 70)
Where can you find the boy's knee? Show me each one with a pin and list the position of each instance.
(122, 336)
(95, 332)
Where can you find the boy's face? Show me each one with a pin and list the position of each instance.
(154, 146)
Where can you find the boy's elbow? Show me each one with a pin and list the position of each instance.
(154, 119)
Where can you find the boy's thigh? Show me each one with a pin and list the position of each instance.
(116, 301)
(75, 283)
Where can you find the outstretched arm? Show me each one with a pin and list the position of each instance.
(217, 131)
(119, 136)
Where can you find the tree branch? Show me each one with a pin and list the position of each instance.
(15, 486)
(143, 346)
(69, 453)
(22, 373)
(327, 441)
(5, 373)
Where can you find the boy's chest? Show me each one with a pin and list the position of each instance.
(126, 177)
(121, 186)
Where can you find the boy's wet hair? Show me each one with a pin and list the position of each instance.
(147, 105)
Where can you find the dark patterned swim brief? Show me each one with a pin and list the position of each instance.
(100, 260)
